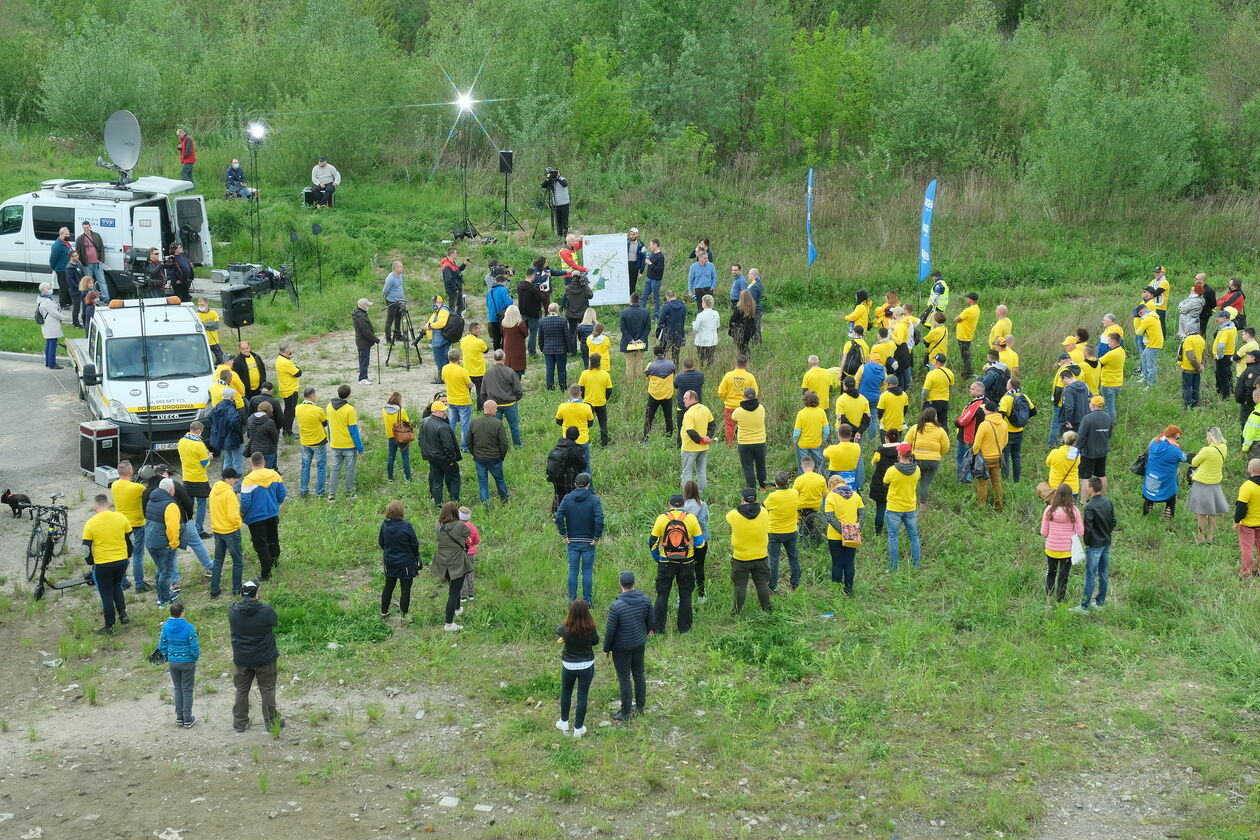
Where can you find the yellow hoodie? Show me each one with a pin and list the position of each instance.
(225, 509)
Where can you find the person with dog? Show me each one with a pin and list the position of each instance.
(106, 547)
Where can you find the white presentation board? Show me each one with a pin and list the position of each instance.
(605, 257)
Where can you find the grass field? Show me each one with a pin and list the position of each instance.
(948, 694)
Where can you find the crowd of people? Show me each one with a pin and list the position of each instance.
(859, 439)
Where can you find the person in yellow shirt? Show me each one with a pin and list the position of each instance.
(965, 332)
(1247, 520)
(1224, 346)
(812, 488)
(1007, 354)
(289, 381)
(392, 414)
(750, 421)
(313, 440)
(819, 380)
(1152, 335)
(194, 456)
(1091, 369)
(936, 386)
(105, 547)
(750, 548)
(902, 479)
(660, 392)
(674, 551)
(1015, 406)
(595, 384)
(1160, 289)
(225, 377)
(459, 387)
(1191, 358)
(811, 429)
(344, 439)
(891, 410)
(991, 439)
(934, 341)
(861, 314)
(576, 412)
(842, 508)
(854, 409)
(930, 444)
(598, 342)
(250, 369)
(697, 433)
(1109, 325)
(1248, 343)
(900, 333)
(1111, 370)
(844, 457)
(783, 504)
(855, 353)
(1064, 464)
(128, 500)
(473, 349)
(1001, 327)
(210, 323)
(1207, 501)
(226, 524)
(884, 347)
(731, 392)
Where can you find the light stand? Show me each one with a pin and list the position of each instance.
(316, 230)
(255, 137)
(466, 227)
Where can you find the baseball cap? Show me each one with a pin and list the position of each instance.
(1001, 342)
(437, 405)
(364, 302)
(626, 578)
(634, 230)
(904, 449)
(1097, 401)
(1070, 340)
(748, 494)
(1074, 369)
(1151, 290)
(676, 500)
(940, 357)
(1159, 269)
(249, 588)
(229, 472)
(322, 158)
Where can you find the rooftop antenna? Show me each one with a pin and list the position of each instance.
(122, 144)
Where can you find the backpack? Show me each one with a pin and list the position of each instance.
(454, 329)
(676, 541)
(997, 387)
(557, 465)
(1021, 412)
(852, 359)
(39, 315)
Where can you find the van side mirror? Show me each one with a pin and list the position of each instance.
(90, 376)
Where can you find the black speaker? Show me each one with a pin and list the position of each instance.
(238, 307)
(505, 161)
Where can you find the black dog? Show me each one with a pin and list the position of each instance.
(17, 501)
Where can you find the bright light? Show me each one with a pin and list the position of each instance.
(464, 101)
(257, 131)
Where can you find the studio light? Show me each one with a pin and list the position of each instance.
(256, 132)
(464, 101)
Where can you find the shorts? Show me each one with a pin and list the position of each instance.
(1094, 467)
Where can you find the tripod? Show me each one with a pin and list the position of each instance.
(505, 214)
(410, 339)
(466, 227)
(551, 212)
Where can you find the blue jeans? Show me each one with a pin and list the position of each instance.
(50, 352)
(137, 555)
(494, 468)
(203, 507)
(233, 457)
(1147, 364)
(1109, 399)
(1096, 560)
(163, 558)
(394, 449)
(320, 455)
(461, 416)
(225, 544)
(586, 452)
(788, 542)
(512, 415)
(97, 272)
(961, 452)
(1190, 388)
(241, 191)
(557, 369)
(1140, 342)
(652, 291)
(1012, 460)
(440, 346)
(1056, 427)
(817, 454)
(581, 554)
(532, 341)
(896, 520)
(190, 538)
(343, 459)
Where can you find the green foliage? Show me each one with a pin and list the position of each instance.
(773, 644)
(309, 621)
(603, 115)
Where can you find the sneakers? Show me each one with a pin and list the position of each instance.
(579, 732)
(621, 717)
(188, 724)
(104, 631)
(452, 626)
(123, 619)
(1079, 610)
(143, 587)
(208, 573)
(562, 725)
(459, 611)
(1096, 607)
(365, 381)
(240, 730)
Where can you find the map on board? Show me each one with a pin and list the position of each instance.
(604, 256)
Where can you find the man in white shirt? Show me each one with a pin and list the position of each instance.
(324, 182)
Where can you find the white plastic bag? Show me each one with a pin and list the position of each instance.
(1078, 551)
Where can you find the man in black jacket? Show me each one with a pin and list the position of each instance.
(531, 300)
(439, 447)
(565, 462)
(672, 329)
(554, 342)
(1245, 385)
(1075, 399)
(254, 656)
(1093, 437)
(364, 338)
(251, 368)
(625, 638)
(488, 443)
(577, 297)
(1100, 521)
(636, 325)
(181, 280)
(503, 385)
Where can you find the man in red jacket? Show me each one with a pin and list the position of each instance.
(568, 254)
(968, 421)
(187, 155)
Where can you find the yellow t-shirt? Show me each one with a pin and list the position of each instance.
(191, 454)
(1111, 368)
(811, 422)
(597, 384)
(697, 419)
(902, 489)
(1007, 404)
(1209, 463)
(965, 325)
(812, 487)
(339, 422)
(901, 331)
(934, 341)
(843, 456)
(209, 317)
(1161, 298)
(474, 350)
(1249, 494)
(1091, 375)
(287, 377)
(255, 375)
(929, 446)
(688, 519)
(1001, 329)
(1009, 358)
(577, 414)
(236, 383)
(894, 408)
(311, 419)
(1195, 344)
(1241, 354)
(784, 507)
(1114, 328)
(860, 316)
(1150, 330)
(128, 500)
(390, 419)
(851, 410)
(884, 348)
(602, 346)
(845, 510)
(937, 384)
(108, 532)
(1064, 469)
(1225, 342)
(458, 384)
(750, 538)
(731, 388)
(750, 426)
(819, 380)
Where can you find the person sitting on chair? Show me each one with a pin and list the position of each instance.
(236, 184)
(324, 182)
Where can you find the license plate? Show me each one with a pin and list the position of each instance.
(165, 447)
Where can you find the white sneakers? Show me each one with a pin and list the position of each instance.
(562, 725)
(579, 732)
(459, 611)
(452, 626)
(365, 381)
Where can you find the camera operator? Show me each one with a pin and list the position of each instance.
(557, 187)
(395, 303)
(181, 273)
(453, 280)
(155, 274)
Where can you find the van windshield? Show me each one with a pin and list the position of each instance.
(170, 357)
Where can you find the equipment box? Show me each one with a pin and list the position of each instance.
(98, 445)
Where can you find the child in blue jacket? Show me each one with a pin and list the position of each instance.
(179, 642)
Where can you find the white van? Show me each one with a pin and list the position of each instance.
(146, 213)
(111, 364)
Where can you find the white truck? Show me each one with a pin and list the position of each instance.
(145, 366)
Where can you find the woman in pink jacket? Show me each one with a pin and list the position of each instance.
(1061, 521)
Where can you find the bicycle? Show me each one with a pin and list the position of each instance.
(50, 524)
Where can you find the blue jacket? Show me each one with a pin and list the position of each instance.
(393, 289)
(873, 377)
(401, 549)
(262, 493)
(155, 535)
(636, 254)
(179, 641)
(755, 289)
(673, 325)
(553, 335)
(1162, 460)
(701, 277)
(59, 256)
(498, 299)
(629, 620)
(580, 515)
(225, 427)
(739, 284)
(235, 176)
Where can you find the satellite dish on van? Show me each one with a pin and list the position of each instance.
(122, 140)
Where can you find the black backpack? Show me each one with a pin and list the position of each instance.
(557, 465)
(852, 359)
(454, 329)
(39, 315)
(1021, 411)
(676, 541)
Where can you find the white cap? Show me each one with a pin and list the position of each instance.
(634, 230)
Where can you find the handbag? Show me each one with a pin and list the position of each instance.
(1138, 467)
(404, 432)
(636, 345)
(851, 534)
(1044, 491)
